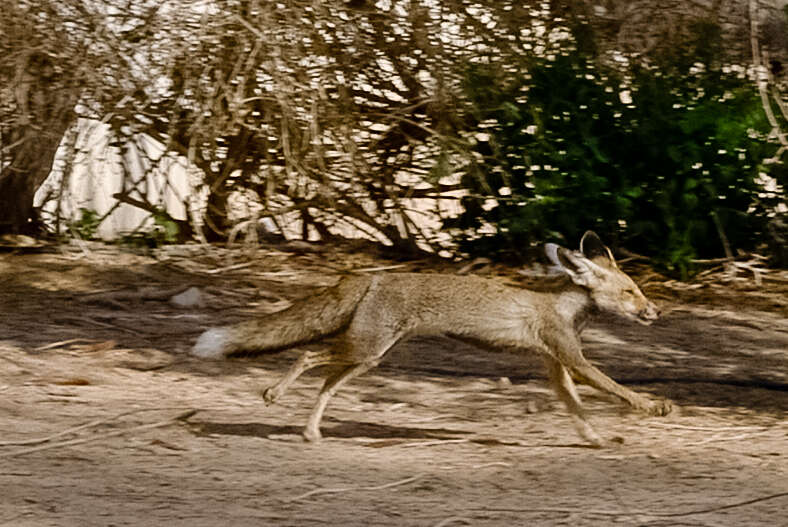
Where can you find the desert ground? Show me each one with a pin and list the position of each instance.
(106, 421)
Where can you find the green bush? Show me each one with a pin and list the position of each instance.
(87, 225)
(561, 151)
(165, 231)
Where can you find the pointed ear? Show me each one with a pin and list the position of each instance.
(593, 249)
(574, 265)
(551, 250)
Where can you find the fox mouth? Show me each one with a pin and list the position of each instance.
(647, 316)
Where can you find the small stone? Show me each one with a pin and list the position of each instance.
(504, 382)
(192, 297)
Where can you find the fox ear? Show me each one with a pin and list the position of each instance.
(593, 249)
(577, 267)
(551, 250)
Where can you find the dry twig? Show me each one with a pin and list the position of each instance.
(381, 268)
(180, 417)
(622, 513)
(91, 424)
(145, 293)
(454, 519)
(436, 442)
(235, 267)
(61, 343)
(719, 437)
(354, 489)
(707, 428)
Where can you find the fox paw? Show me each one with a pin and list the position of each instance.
(660, 407)
(589, 434)
(270, 395)
(312, 435)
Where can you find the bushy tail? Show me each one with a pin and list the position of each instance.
(306, 320)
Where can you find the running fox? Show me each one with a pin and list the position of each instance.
(370, 314)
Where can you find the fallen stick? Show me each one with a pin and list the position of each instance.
(91, 424)
(377, 269)
(716, 437)
(235, 267)
(436, 442)
(85, 319)
(352, 489)
(493, 464)
(454, 519)
(60, 344)
(180, 417)
(623, 513)
(144, 293)
(709, 428)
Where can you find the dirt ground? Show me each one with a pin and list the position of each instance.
(97, 394)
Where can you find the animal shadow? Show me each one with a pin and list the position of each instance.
(340, 430)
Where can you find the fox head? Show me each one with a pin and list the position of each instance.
(594, 268)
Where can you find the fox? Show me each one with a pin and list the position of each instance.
(366, 316)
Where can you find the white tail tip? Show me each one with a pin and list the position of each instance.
(212, 344)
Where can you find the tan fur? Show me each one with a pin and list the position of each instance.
(316, 317)
(370, 315)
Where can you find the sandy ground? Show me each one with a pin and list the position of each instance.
(96, 394)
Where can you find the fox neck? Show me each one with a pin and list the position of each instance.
(574, 305)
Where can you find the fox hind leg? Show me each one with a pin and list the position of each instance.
(332, 384)
(307, 361)
(379, 344)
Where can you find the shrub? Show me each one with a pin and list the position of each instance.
(87, 225)
(663, 162)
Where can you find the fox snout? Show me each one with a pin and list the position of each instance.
(648, 314)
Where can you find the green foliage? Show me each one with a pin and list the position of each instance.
(165, 230)
(563, 151)
(87, 225)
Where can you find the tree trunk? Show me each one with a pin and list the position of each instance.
(216, 222)
(44, 111)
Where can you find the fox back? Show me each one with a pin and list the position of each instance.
(489, 313)
(372, 312)
(497, 315)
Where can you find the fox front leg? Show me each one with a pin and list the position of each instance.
(568, 352)
(567, 392)
(592, 376)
